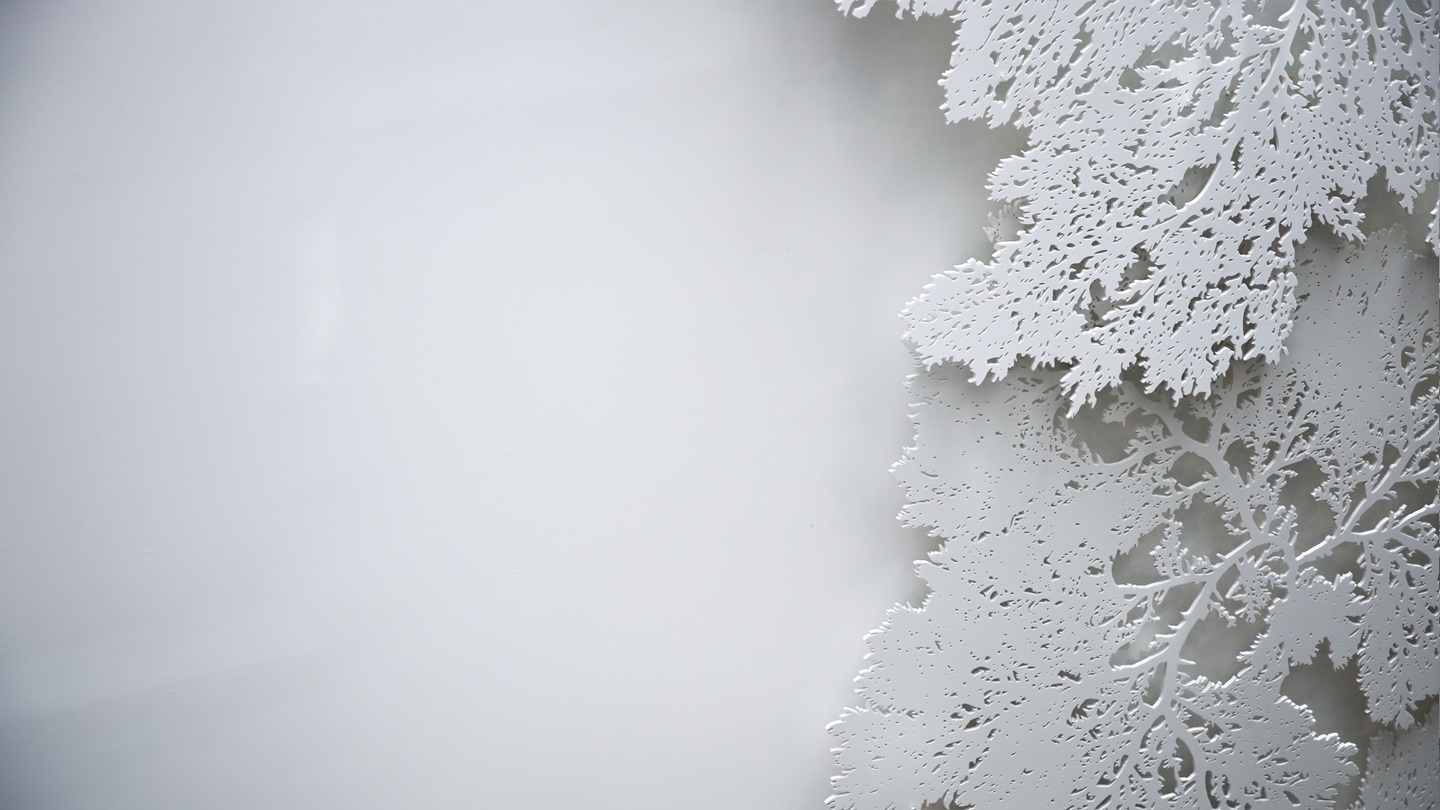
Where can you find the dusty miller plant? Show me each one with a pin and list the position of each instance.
(1177, 155)
(1122, 596)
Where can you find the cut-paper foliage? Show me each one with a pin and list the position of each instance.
(1122, 595)
(1177, 155)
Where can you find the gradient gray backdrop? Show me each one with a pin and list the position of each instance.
(455, 404)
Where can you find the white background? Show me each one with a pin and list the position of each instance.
(455, 405)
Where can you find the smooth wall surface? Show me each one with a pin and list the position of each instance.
(452, 404)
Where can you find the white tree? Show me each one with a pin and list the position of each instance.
(1121, 595)
(1177, 154)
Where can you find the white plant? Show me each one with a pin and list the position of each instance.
(1120, 596)
(1402, 771)
(1177, 155)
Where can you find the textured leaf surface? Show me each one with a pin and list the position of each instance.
(1403, 774)
(1178, 153)
(1121, 596)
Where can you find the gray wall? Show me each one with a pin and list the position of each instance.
(425, 404)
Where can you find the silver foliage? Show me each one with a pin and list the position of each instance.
(1121, 597)
(1177, 155)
